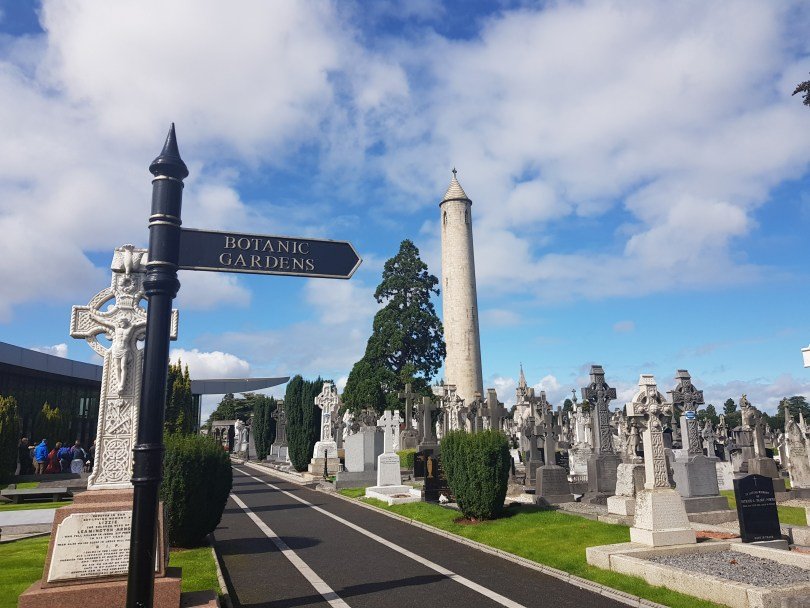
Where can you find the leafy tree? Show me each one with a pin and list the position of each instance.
(804, 88)
(796, 404)
(231, 408)
(407, 339)
(303, 421)
(568, 405)
(50, 425)
(9, 436)
(709, 413)
(180, 402)
(729, 407)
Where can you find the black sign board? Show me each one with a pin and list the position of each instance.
(435, 480)
(756, 508)
(266, 254)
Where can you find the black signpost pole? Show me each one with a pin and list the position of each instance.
(160, 286)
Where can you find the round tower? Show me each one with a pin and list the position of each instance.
(462, 367)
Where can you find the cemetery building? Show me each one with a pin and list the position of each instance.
(459, 297)
(34, 378)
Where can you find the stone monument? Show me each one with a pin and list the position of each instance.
(408, 438)
(761, 463)
(88, 556)
(629, 475)
(325, 451)
(604, 462)
(280, 450)
(799, 462)
(660, 516)
(362, 449)
(696, 475)
(427, 439)
(389, 486)
(551, 480)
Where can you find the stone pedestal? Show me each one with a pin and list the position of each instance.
(88, 556)
(552, 485)
(602, 469)
(696, 482)
(389, 486)
(361, 453)
(531, 472)
(661, 520)
(323, 449)
(767, 467)
(629, 482)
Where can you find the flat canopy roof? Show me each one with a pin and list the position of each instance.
(51, 364)
(233, 385)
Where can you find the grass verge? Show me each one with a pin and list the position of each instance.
(795, 516)
(353, 492)
(547, 537)
(34, 505)
(23, 561)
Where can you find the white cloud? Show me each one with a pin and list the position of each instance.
(763, 393)
(215, 364)
(58, 350)
(207, 290)
(499, 317)
(621, 327)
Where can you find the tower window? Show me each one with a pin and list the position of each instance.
(466, 216)
(444, 218)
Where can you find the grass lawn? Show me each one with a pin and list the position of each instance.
(34, 505)
(353, 492)
(795, 516)
(26, 485)
(547, 537)
(23, 560)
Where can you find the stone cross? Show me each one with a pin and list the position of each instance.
(124, 324)
(688, 398)
(428, 436)
(280, 416)
(389, 423)
(453, 405)
(530, 432)
(497, 412)
(329, 402)
(599, 394)
(708, 439)
(548, 431)
(648, 406)
(759, 438)
(408, 396)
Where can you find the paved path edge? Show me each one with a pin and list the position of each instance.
(620, 596)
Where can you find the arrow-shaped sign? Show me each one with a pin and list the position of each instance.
(266, 254)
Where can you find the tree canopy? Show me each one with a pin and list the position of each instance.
(407, 339)
(180, 416)
(804, 89)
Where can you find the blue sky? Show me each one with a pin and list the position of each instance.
(639, 176)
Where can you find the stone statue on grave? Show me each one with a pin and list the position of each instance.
(238, 436)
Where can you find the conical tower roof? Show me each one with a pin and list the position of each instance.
(522, 381)
(455, 192)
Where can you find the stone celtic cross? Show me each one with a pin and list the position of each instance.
(280, 416)
(688, 398)
(329, 402)
(389, 422)
(648, 406)
(124, 325)
(408, 396)
(599, 395)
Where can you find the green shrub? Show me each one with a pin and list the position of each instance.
(197, 479)
(406, 458)
(9, 436)
(477, 469)
(303, 419)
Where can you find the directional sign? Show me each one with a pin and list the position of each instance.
(266, 254)
(690, 415)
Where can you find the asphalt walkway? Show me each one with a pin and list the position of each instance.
(284, 545)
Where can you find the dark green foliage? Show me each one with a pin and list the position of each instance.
(708, 414)
(197, 479)
(231, 408)
(303, 419)
(407, 341)
(804, 88)
(406, 458)
(263, 427)
(729, 407)
(180, 416)
(9, 436)
(51, 425)
(477, 468)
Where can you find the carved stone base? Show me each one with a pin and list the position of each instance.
(552, 485)
(316, 466)
(661, 519)
(621, 505)
(602, 473)
(328, 447)
(696, 476)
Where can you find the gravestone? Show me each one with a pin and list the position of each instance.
(325, 452)
(436, 481)
(389, 486)
(427, 441)
(551, 485)
(756, 509)
(88, 556)
(629, 475)
(604, 461)
(762, 463)
(362, 450)
(799, 468)
(695, 475)
(280, 450)
(408, 438)
(660, 516)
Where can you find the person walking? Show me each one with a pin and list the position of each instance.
(53, 465)
(78, 457)
(24, 456)
(65, 455)
(41, 456)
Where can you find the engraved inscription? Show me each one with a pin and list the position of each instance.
(91, 545)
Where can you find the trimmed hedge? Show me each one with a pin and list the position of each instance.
(406, 458)
(477, 468)
(197, 479)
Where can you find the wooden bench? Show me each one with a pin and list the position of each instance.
(19, 496)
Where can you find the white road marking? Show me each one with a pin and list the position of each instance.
(496, 597)
(308, 573)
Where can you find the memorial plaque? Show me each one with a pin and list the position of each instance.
(756, 509)
(562, 459)
(419, 465)
(436, 481)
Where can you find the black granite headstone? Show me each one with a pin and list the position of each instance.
(435, 480)
(561, 459)
(419, 461)
(756, 508)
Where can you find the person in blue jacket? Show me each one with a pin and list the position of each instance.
(41, 456)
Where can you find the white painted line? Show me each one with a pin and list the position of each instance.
(496, 597)
(308, 573)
